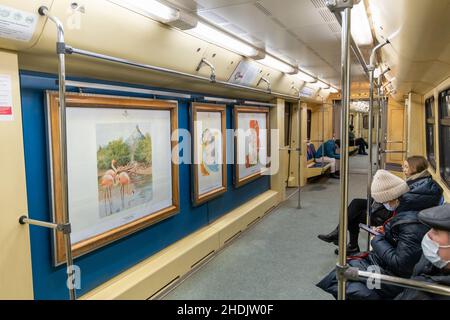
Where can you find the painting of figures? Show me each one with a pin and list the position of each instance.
(124, 166)
(121, 173)
(209, 150)
(251, 143)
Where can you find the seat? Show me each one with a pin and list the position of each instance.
(313, 168)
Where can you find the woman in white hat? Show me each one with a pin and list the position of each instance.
(396, 249)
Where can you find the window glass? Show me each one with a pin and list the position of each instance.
(444, 126)
(430, 129)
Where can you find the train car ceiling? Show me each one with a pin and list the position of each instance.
(419, 54)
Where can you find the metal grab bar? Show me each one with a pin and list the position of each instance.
(71, 50)
(354, 274)
(395, 141)
(393, 151)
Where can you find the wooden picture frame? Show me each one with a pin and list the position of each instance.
(198, 169)
(238, 110)
(113, 104)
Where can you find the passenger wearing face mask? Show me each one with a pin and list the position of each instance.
(397, 248)
(424, 193)
(434, 266)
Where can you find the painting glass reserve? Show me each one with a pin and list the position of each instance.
(209, 151)
(116, 177)
(252, 143)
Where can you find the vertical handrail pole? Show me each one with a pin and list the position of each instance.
(300, 144)
(60, 48)
(377, 124)
(345, 65)
(370, 164)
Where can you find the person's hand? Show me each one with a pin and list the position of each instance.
(379, 229)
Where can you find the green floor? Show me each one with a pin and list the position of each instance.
(280, 257)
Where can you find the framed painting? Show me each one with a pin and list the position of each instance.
(118, 180)
(251, 143)
(209, 145)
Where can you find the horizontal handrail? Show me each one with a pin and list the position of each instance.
(354, 274)
(395, 142)
(393, 151)
(71, 50)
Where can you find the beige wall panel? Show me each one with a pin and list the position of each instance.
(15, 256)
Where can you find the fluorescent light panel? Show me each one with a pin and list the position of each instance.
(305, 77)
(151, 8)
(360, 25)
(277, 64)
(213, 35)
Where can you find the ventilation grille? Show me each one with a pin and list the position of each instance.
(327, 16)
(263, 9)
(319, 3)
(335, 27)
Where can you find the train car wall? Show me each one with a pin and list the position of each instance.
(101, 265)
(15, 259)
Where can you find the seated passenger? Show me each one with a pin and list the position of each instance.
(424, 193)
(434, 266)
(397, 248)
(360, 142)
(327, 153)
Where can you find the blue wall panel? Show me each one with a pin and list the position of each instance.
(106, 262)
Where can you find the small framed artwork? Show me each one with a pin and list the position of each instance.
(251, 146)
(209, 151)
(121, 177)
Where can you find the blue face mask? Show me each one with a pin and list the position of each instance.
(430, 251)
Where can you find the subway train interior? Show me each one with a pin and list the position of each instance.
(306, 151)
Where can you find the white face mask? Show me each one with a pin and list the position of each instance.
(389, 208)
(430, 250)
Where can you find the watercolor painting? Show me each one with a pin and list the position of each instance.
(209, 154)
(124, 166)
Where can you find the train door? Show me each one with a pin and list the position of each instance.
(395, 137)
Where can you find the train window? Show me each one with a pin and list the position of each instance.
(444, 128)
(430, 130)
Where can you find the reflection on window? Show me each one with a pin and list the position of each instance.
(429, 127)
(444, 126)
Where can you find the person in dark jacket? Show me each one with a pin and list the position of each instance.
(359, 142)
(424, 193)
(327, 153)
(434, 266)
(397, 248)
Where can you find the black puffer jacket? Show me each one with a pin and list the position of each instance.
(395, 253)
(399, 249)
(424, 193)
(425, 271)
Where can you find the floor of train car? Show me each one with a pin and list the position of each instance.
(280, 257)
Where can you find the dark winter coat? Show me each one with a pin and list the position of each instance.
(394, 253)
(424, 193)
(425, 271)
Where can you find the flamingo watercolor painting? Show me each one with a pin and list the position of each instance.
(124, 166)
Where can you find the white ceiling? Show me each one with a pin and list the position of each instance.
(303, 31)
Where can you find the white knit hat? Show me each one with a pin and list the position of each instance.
(387, 186)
